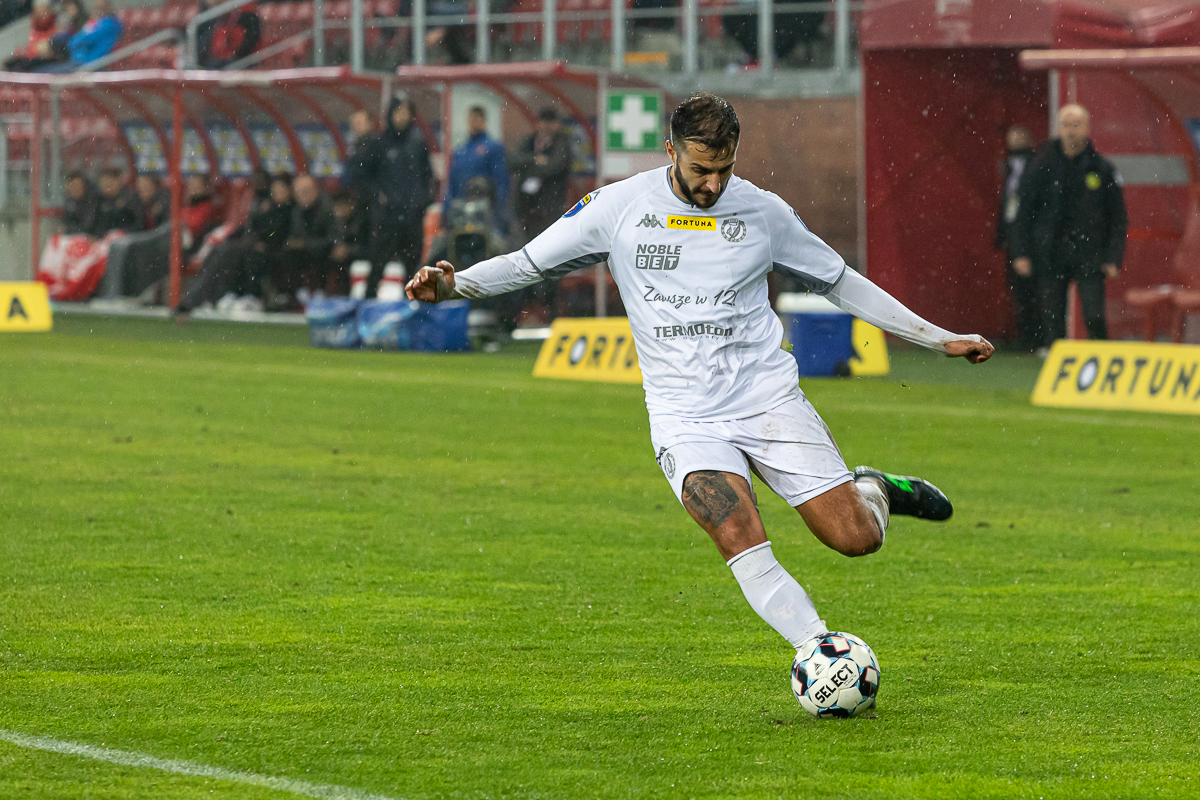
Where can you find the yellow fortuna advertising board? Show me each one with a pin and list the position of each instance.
(589, 349)
(24, 306)
(1133, 376)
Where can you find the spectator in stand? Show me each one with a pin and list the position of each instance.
(351, 232)
(53, 50)
(479, 156)
(119, 208)
(270, 224)
(155, 201)
(37, 49)
(229, 268)
(200, 213)
(94, 41)
(450, 44)
(236, 36)
(542, 164)
(310, 238)
(79, 204)
(362, 131)
(399, 184)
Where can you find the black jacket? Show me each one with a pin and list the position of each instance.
(1009, 200)
(271, 223)
(120, 213)
(551, 197)
(397, 174)
(1043, 234)
(312, 228)
(79, 216)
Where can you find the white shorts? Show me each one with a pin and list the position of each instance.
(789, 447)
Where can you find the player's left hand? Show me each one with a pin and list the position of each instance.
(975, 352)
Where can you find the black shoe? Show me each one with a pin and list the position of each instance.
(910, 496)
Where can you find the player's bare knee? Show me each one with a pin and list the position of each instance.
(859, 538)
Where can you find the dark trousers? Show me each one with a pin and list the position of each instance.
(1053, 289)
(1027, 304)
(401, 241)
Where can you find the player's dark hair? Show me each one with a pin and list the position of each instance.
(707, 120)
(479, 111)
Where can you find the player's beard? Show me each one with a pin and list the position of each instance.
(687, 190)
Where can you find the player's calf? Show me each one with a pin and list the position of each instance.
(844, 520)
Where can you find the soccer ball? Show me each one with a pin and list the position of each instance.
(835, 675)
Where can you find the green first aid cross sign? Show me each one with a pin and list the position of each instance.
(634, 123)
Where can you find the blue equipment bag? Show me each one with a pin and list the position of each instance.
(333, 322)
(441, 328)
(411, 325)
(386, 324)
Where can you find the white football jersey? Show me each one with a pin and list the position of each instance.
(694, 284)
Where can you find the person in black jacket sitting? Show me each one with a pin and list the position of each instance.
(1071, 225)
(119, 208)
(310, 236)
(79, 204)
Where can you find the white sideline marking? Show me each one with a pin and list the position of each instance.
(128, 759)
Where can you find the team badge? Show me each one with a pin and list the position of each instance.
(668, 464)
(733, 229)
(1092, 179)
(587, 198)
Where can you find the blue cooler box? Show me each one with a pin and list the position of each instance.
(820, 334)
(333, 322)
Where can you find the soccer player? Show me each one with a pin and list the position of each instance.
(690, 247)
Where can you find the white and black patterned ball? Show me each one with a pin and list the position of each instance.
(835, 675)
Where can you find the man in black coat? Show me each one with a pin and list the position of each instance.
(1071, 225)
(119, 208)
(542, 164)
(400, 182)
(79, 204)
(1023, 289)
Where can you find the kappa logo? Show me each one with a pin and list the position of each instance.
(649, 221)
(733, 229)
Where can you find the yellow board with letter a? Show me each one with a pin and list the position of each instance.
(1129, 376)
(589, 349)
(870, 350)
(24, 306)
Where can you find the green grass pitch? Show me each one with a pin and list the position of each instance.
(437, 577)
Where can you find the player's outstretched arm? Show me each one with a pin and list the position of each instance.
(494, 276)
(857, 295)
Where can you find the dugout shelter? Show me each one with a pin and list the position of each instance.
(944, 79)
(227, 123)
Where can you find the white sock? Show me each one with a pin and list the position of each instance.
(775, 596)
(876, 498)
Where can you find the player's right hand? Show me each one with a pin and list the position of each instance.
(975, 352)
(432, 284)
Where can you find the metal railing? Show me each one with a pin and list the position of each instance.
(621, 19)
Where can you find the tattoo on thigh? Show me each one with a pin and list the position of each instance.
(708, 495)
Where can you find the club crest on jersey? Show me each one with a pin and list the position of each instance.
(692, 223)
(649, 221)
(667, 462)
(587, 198)
(733, 229)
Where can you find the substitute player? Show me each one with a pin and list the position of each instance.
(690, 247)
